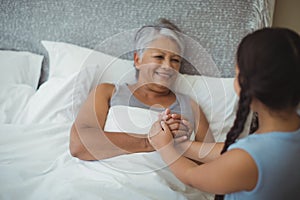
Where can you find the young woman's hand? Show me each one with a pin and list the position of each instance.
(160, 135)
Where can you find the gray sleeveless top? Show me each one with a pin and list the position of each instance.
(123, 96)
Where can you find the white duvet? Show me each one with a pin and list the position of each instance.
(35, 163)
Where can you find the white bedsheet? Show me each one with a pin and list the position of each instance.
(130, 119)
(35, 163)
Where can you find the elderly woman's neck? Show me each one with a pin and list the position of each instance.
(150, 90)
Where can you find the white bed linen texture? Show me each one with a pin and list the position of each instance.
(20, 67)
(19, 77)
(35, 163)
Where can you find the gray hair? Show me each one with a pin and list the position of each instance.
(147, 34)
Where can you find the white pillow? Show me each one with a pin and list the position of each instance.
(13, 99)
(74, 72)
(218, 100)
(20, 67)
(66, 59)
(59, 99)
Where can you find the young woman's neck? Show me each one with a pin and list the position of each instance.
(284, 121)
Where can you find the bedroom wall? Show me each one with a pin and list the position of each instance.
(287, 14)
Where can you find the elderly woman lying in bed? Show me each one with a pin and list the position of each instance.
(157, 60)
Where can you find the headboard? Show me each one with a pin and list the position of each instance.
(217, 25)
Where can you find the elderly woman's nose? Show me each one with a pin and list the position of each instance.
(166, 64)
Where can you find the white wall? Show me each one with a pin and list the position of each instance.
(287, 14)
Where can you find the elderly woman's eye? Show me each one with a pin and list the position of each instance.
(176, 60)
(159, 57)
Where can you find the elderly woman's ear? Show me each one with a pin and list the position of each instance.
(137, 60)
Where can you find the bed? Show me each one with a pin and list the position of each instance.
(54, 52)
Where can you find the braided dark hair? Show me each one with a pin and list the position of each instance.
(239, 123)
(241, 117)
(269, 67)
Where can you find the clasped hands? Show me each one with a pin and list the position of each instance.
(169, 129)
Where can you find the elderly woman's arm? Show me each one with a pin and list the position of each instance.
(88, 141)
(202, 131)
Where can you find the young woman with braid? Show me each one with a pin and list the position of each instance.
(265, 164)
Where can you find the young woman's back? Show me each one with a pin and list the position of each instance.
(268, 70)
(276, 155)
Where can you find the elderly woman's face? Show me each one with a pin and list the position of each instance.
(160, 62)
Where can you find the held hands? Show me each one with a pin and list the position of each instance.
(170, 129)
(180, 128)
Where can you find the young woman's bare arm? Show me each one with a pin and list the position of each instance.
(203, 152)
(204, 149)
(231, 172)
